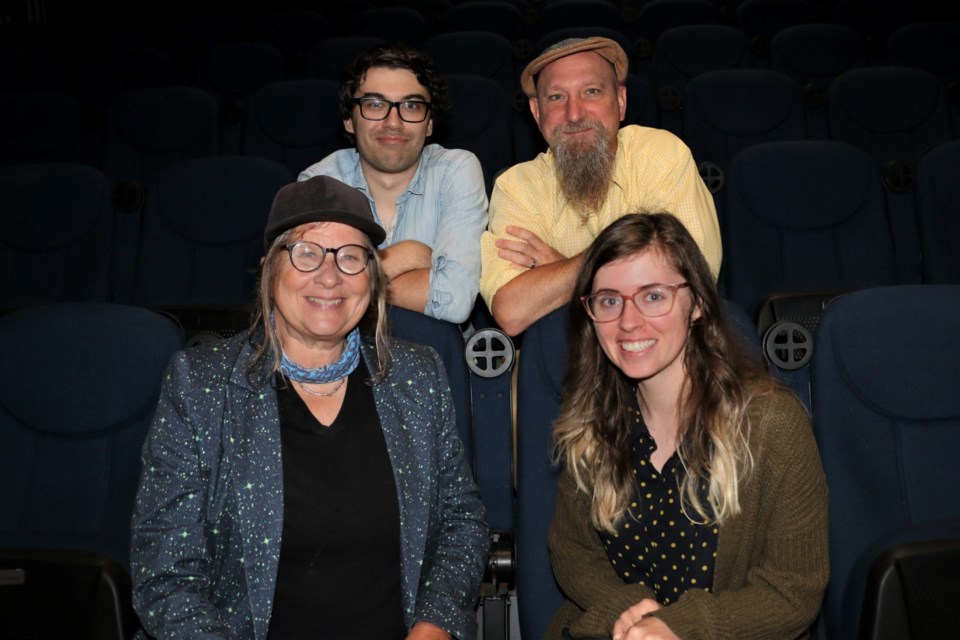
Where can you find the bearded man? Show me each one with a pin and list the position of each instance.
(544, 213)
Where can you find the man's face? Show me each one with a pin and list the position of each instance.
(391, 145)
(576, 94)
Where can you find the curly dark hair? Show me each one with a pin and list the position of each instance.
(395, 56)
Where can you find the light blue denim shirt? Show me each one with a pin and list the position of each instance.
(444, 207)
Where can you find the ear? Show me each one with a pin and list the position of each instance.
(429, 127)
(348, 125)
(622, 100)
(695, 313)
(535, 109)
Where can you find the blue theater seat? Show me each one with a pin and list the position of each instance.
(938, 214)
(887, 421)
(684, 52)
(891, 112)
(804, 222)
(727, 111)
(293, 31)
(479, 121)
(150, 129)
(445, 338)
(762, 19)
(895, 114)
(804, 216)
(329, 58)
(394, 24)
(57, 236)
(202, 235)
(477, 53)
(564, 14)
(656, 17)
(233, 71)
(124, 68)
(500, 17)
(295, 123)
(813, 55)
(70, 460)
(932, 46)
(542, 367)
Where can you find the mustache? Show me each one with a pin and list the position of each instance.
(577, 127)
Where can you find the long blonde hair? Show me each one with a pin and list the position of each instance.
(373, 325)
(591, 434)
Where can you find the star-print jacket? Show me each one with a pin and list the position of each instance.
(209, 509)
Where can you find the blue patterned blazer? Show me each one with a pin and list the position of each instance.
(209, 509)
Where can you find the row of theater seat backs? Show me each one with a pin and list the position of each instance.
(886, 418)
(813, 54)
(795, 216)
(295, 123)
(814, 50)
(894, 113)
(197, 238)
(806, 221)
(302, 32)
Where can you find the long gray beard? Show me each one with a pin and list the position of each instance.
(584, 168)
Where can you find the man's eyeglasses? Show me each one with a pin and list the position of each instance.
(651, 301)
(306, 256)
(374, 108)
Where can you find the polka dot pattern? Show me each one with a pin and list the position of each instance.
(656, 544)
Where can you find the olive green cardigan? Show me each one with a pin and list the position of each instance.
(771, 567)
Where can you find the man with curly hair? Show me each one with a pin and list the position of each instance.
(431, 201)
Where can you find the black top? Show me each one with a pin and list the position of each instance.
(339, 573)
(656, 544)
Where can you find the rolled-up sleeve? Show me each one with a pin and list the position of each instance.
(461, 219)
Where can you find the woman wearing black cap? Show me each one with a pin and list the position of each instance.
(305, 479)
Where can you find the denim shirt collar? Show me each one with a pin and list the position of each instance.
(416, 186)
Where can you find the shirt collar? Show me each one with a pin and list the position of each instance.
(416, 185)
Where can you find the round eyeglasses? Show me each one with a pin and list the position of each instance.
(306, 256)
(374, 108)
(652, 301)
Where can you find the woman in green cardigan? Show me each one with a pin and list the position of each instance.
(692, 503)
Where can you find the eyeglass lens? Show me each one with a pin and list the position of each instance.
(351, 259)
(373, 108)
(652, 301)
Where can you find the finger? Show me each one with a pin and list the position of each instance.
(623, 623)
(518, 246)
(515, 256)
(524, 234)
(647, 605)
(518, 261)
(618, 631)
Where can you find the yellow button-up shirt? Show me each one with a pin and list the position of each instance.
(653, 172)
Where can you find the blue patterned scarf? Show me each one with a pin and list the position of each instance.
(334, 371)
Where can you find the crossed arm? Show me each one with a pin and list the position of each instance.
(545, 284)
(407, 267)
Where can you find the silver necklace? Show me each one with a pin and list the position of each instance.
(323, 394)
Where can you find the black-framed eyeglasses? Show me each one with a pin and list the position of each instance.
(307, 256)
(374, 108)
(652, 301)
